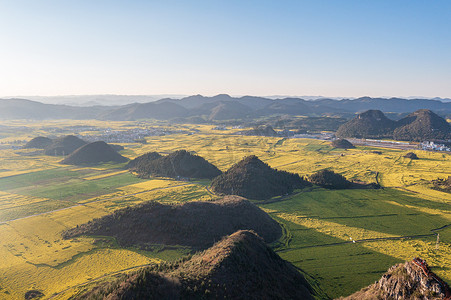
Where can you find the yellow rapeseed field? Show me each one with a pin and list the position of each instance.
(317, 223)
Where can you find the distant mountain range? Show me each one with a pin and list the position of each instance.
(217, 108)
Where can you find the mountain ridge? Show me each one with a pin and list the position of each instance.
(168, 108)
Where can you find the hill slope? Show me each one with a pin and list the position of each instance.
(40, 142)
(252, 178)
(330, 180)
(180, 163)
(342, 143)
(194, 224)
(151, 110)
(64, 145)
(369, 124)
(240, 266)
(141, 161)
(93, 153)
(405, 281)
(422, 125)
(215, 109)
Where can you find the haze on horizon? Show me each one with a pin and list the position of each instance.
(328, 48)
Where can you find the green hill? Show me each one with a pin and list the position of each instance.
(178, 164)
(195, 224)
(253, 179)
(240, 266)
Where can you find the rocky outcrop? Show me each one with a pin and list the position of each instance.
(411, 280)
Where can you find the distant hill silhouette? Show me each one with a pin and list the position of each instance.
(141, 161)
(64, 145)
(219, 107)
(342, 143)
(94, 153)
(180, 163)
(194, 224)
(289, 106)
(330, 180)
(253, 179)
(422, 125)
(224, 110)
(240, 266)
(40, 142)
(369, 124)
(152, 110)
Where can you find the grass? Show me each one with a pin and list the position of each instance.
(75, 189)
(320, 226)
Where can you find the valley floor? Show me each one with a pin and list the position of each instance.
(344, 240)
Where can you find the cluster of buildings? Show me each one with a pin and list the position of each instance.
(319, 136)
(431, 146)
(124, 136)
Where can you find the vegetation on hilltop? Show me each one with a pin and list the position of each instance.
(254, 179)
(64, 145)
(342, 143)
(329, 180)
(420, 125)
(442, 184)
(239, 266)
(369, 124)
(141, 161)
(40, 142)
(178, 164)
(195, 224)
(411, 155)
(93, 153)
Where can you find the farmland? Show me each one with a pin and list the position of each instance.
(343, 239)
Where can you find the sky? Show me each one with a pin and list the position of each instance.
(340, 48)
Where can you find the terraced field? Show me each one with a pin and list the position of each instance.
(344, 239)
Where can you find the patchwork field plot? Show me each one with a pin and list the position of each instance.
(345, 239)
(360, 230)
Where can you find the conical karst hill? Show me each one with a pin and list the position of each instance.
(342, 144)
(40, 142)
(64, 145)
(139, 163)
(422, 125)
(93, 153)
(330, 180)
(254, 179)
(241, 266)
(369, 124)
(178, 164)
(196, 224)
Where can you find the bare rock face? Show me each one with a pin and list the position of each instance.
(406, 281)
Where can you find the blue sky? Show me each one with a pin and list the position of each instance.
(330, 48)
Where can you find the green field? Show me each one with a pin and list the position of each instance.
(320, 225)
(389, 225)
